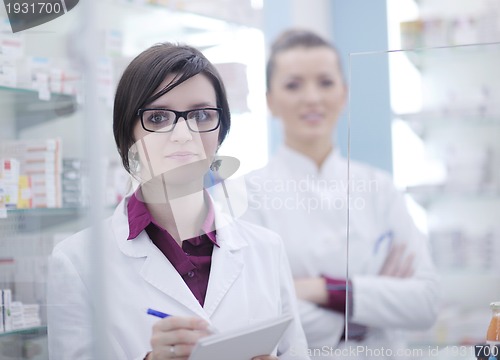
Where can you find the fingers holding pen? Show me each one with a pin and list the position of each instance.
(174, 337)
(181, 322)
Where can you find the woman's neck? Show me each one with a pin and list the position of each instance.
(182, 216)
(316, 150)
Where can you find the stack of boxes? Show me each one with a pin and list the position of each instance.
(9, 182)
(73, 183)
(30, 174)
(482, 27)
(24, 315)
(34, 175)
(6, 311)
(14, 315)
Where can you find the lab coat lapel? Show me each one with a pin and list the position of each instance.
(162, 275)
(156, 271)
(227, 262)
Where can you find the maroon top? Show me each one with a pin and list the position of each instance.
(193, 260)
(337, 290)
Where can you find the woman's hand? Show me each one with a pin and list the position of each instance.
(312, 289)
(174, 337)
(397, 264)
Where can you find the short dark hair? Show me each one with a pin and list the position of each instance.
(294, 38)
(146, 73)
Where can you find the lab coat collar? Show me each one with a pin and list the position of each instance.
(302, 165)
(227, 262)
(224, 225)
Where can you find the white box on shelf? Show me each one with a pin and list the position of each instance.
(9, 176)
(6, 306)
(8, 75)
(41, 160)
(9, 170)
(2, 322)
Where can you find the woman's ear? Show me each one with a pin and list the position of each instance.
(133, 158)
(132, 152)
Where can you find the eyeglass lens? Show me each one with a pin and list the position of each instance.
(201, 120)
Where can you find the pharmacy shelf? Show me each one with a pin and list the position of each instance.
(43, 219)
(39, 220)
(422, 123)
(450, 119)
(45, 211)
(426, 56)
(428, 195)
(458, 125)
(30, 110)
(227, 11)
(38, 331)
(21, 89)
(29, 343)
(52, 211)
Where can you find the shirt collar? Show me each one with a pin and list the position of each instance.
(139, 218)
(301, 165)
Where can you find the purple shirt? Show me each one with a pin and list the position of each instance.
(337, 291)
(193, 260)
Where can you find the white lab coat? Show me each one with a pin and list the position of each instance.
(249, 281)
(308, 208)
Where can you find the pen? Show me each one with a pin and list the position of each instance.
(162, 315)
(384, 238)
(157, 313)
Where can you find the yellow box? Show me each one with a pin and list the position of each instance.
(24, 198)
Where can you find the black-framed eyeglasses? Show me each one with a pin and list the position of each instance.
(165, 120)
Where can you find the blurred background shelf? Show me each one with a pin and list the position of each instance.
(446, 151)
(37, 331)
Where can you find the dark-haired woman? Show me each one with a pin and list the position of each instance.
(169, 245)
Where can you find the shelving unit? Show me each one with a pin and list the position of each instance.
(455, 124)
(24, 344)
(432, 194)
(28, 331)
(421, 121)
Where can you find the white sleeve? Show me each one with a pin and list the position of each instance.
(68, 311)
(70, 314)
(293, 344)
(406, 303)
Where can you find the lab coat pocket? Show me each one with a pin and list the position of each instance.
(266, 311)
(257, 319)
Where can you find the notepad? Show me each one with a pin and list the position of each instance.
(260, 338)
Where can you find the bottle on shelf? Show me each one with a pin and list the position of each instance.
(493, 333)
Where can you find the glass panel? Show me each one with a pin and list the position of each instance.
(423, 247)
(41, 196)
(60, 170)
